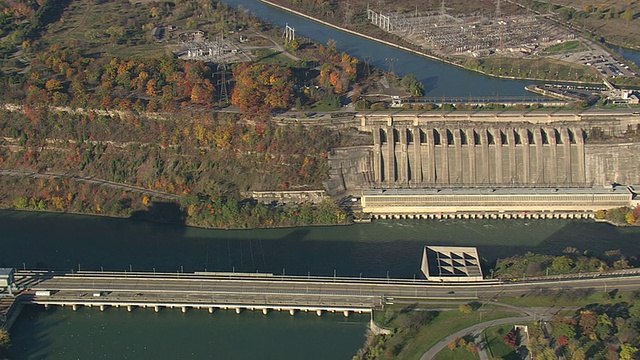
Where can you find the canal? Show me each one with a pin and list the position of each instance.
(59, 241)
(440, 79)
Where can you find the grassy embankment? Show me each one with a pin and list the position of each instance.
(417, 330)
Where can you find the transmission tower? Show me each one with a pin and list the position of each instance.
(289, 33)
(498, 10)
(391, 68)
(348, 13)
(222, 73)
(367, 60)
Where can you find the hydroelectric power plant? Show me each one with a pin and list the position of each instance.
(539, 162)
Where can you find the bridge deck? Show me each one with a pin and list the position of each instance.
(280, 292)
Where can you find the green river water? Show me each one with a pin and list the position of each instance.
(65, 242)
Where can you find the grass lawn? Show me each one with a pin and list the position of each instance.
(496, 347)
(566, 47)
(568, 298)
(457, 354)
(89, 24)
(445, 323)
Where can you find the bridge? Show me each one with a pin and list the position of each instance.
(268, 292)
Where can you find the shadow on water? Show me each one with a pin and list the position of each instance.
(379, 249)
(582, 235)
(162, 212)
(430, 83)
(29, 340)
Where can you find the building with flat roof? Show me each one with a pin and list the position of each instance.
(6, 277)
(451, 263)
(469, 200)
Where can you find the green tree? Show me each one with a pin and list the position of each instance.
(579, 354)
(20, 202)
(634, 310)
(630, 217)
(627, 15)
(4, 339)
(562, 264)
(627, 352)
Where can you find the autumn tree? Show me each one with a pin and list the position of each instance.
(260, 89)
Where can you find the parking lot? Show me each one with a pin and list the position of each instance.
(604, 62)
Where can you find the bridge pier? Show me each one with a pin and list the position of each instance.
(346, 313)
(184, 309)
(319, 312)
(156, 308)
(210, 310)
(46, 306)
(74, 307)
(265, 311)
(129, 308)
(292, 312)
(101, 307)
(238, 310)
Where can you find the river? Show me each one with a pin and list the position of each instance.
(61, 241)
(383, 248)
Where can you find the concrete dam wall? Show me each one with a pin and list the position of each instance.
(485, 152)
(478, 156)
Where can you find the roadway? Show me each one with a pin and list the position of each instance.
(258, 289)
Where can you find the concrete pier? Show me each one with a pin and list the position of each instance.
(238, 310)
(319, 312)
(292, 312)
(129, 308)
(265, 311)
(210, 310)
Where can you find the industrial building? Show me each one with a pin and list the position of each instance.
(450, 263)
(389, 202)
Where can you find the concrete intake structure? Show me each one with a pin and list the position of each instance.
(506, 156)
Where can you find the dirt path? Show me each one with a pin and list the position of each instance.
(91, 180)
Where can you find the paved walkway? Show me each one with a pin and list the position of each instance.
(474, 330)
(529, 315)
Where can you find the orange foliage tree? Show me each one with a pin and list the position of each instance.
(260, 89)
